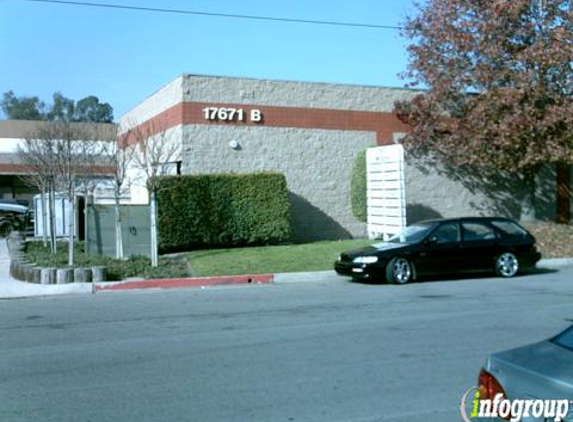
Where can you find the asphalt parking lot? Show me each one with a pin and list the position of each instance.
(325, 351)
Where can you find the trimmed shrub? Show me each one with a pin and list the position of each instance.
(358, 187)
(169, 267)
(221, 210)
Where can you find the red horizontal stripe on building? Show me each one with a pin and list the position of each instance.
(384, 124)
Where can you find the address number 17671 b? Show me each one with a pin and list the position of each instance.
(232, 114)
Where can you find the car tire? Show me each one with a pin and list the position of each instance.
(399, 271)
(506, 265)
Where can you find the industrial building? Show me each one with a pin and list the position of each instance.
(312, 133)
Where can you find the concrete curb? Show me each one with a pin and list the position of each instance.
(23, 290)
(555, 262)
(179, 283)
(308, 277)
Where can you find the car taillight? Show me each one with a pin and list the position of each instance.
(489, 387)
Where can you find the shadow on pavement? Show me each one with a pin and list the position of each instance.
(542, 270)
(460, 276)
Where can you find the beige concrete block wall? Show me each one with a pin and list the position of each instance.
(317, 165)
(161, 100)
(434, 190)
(291, 94)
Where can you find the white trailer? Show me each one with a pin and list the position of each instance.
(62, 205)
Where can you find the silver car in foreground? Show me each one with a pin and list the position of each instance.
(536, 372)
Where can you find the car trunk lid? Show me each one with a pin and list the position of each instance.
(542, 370)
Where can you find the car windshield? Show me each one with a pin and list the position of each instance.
(565, 339)
(412, 234)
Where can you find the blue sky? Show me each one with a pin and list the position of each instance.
(124, 56)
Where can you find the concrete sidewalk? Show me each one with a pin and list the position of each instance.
(12, 289)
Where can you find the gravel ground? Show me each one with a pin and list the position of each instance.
(553, 240)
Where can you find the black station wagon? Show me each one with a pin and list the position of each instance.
(444, 246)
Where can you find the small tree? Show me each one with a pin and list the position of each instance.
(92, 162)
(69, 163)
(58, 156)
(37, 154)
(154, 151)
(358, 186)
(118, 160)
(500, 82)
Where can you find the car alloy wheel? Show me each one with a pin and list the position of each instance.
(506, 265)
(399, 271)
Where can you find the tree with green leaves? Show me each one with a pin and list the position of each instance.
(88, 109)
(62, 109)
(22, 108)
(499, 79)
(358, 186)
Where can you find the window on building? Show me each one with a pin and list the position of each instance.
(172, 168)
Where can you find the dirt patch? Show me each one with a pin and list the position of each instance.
(553, 240)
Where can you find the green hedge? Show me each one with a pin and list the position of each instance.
(222, 210)
(135, 266)
(358, 187)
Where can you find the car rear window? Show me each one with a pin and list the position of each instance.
(565, 339)
(477, 231)
(509, 227)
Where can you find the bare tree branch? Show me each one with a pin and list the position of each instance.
(155, 151)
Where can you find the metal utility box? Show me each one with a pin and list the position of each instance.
(135, 226)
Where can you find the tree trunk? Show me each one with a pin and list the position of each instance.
(153, 216)
(52, 200)
(87, 196)
(71, 221)
(528, 203)
(44, 216)
(118, 227)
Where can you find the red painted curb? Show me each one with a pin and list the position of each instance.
(178, 283)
